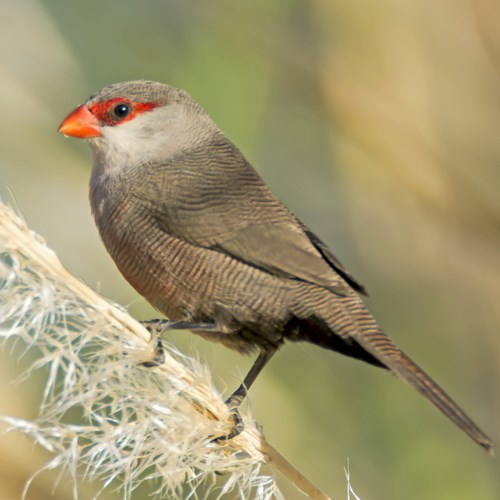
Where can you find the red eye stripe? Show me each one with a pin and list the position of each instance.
(103, 111)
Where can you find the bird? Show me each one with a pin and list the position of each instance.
(195, 230)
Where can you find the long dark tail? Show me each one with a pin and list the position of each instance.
(378, 344)
(345, 325)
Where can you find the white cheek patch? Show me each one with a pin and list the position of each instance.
(152, 137)
(125, 141)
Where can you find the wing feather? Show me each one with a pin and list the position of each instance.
(217, 200)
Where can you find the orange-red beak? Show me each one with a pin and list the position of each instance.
(80, 123)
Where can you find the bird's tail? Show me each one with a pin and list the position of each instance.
(380, 346)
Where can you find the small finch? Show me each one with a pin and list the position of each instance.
(195, 230)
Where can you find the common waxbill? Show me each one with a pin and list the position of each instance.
(196, 231)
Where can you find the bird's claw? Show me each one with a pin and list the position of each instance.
(159, 355)
(237, 426)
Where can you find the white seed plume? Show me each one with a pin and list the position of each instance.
(135, 424)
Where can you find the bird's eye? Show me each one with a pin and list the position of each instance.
(121, 110)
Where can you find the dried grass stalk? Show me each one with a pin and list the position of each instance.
(135, 424)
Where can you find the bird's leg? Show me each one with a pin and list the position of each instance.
(239, 394)
(157, 326)
(162, 325)
(236, 398)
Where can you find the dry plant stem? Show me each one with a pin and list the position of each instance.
(204, 399)
(288, 470)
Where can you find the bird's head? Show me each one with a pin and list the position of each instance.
(139, 121)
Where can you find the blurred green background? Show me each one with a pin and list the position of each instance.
(378, 124)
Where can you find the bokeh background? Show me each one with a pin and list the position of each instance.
(378, 124)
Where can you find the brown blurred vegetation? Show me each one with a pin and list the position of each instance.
(378, 124)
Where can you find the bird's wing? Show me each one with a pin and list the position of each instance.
(334, 262)
(284, 249)
(221, 203)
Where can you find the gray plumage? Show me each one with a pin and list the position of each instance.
(196, 231)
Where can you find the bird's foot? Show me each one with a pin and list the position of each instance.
(237, 425)
(159, 354)
(157, 326)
